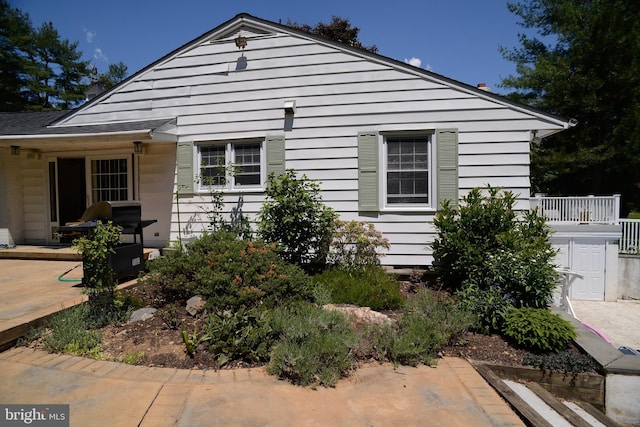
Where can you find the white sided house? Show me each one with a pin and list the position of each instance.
(386, 141)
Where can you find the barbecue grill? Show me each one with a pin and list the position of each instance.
(128, 258)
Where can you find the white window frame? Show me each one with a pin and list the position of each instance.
(431, 188)
(89, 171)
(230, 185)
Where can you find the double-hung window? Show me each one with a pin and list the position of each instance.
(231, 165)
(413, 171)
(407, 163)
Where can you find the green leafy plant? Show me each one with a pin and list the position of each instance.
(96, 248)
(489, 306)
(356, 244)
(314, 345)
(538, 330)
(566, 362)
(229, 273)
(68, 332)
(295, 219)
(193, 341)
(430, 321)
(244, 334)
(170, 315)
(133, 358)
(368, 286)
(238, 223)
(484, 242)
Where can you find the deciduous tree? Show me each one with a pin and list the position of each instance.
(338, 30)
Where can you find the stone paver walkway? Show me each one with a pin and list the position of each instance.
(107, 393)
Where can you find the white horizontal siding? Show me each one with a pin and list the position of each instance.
(34, 201)
(337, 95)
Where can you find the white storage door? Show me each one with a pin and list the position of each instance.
(588, 259)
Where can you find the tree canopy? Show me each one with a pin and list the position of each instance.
(40, 70)
(582, 62)
(338, 30)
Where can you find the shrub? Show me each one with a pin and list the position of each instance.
(229, 273)
(69, 333)
(489, 307)
(367, 287)
(245, 334)
(96, 248)
(429, 322)
(468, 233)
(356, 244)
(483, 242)
(538, 330)
(314, 345)
(295, 219)
(567, 362)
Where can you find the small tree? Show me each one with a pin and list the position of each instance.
(355, 244)
(483, 243)
(96, 247)
(294, 217)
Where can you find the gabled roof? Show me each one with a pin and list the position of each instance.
(247, 20)
(37, 125)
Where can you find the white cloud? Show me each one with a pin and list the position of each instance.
(416, 62)
(99, 55)
(89, 35)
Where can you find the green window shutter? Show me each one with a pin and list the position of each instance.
(368, 171)
(275, 154)
(184, 159)
(447, 179)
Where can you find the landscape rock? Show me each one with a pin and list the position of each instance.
(142, 314)
(361, 314)
(195, 305)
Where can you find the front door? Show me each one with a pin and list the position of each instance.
(71, 189)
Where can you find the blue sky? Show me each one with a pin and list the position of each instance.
(456, 38)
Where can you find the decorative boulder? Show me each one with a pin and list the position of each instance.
(142, 314)
(195, 305)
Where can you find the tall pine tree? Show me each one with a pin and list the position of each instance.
(583, 62)
(43, 71)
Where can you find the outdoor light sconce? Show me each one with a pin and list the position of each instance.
(241, 42)
(289, 107)
(137, 147)
(15, 150)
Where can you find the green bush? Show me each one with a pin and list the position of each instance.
(538, 330)
(483, 242)
(96, 248)
(314, 345)
(429, 322)
(367, 287)
(356, 244)
(69, 333)
(229, 273)
(245, 334)
(295, 219)
(489, 306)
(566, 362)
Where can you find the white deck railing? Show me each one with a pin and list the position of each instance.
(630, 241)
(579, 210)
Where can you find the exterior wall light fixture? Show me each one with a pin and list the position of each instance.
(241, 42)
(137, 147)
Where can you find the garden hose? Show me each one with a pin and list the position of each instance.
(60, 277)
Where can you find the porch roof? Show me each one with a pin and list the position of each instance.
(16, 125)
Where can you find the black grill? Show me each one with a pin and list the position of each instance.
(128, 258)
